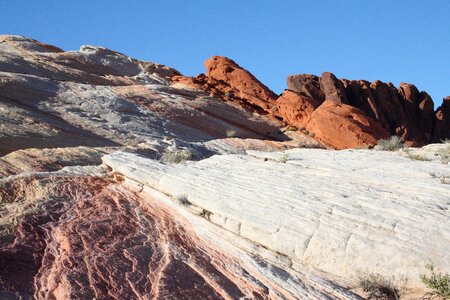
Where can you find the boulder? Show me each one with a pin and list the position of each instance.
(306, 84)
(295, 108)
(343, 126)
(333, 88)
(223, 69)
(442, 125)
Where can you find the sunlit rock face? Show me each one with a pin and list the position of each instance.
(89, 232)
(342, 212)
(91, 208)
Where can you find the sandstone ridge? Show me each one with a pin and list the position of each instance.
(339, 113)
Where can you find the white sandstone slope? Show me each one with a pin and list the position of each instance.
(344, 213)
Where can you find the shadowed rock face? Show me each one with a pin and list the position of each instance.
(442, 125)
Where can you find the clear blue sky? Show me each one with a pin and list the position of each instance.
(391, 40)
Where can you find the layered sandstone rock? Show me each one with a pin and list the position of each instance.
(382, 109)
(345, 213)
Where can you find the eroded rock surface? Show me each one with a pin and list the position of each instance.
(346, 213)
(404, 112)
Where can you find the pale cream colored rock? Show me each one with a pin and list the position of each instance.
(340, 212)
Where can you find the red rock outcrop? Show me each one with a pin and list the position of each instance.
(295, 108)
(225, 78)
(343, 126)
(405, 111)
(380, 108)
(442, 125)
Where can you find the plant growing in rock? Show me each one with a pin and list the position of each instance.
(183, 200)
(284, 158)
(230, 133)
(176, 156)
(438, 283)
(379, 287)
(392, 144)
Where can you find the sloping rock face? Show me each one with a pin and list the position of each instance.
(346, 213)
(84, 233)
(101, 98)
(350, 124)
(226, 78)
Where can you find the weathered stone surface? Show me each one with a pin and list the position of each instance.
(306, 84)
(332, 88)
(295, 108)
(224, 69)
(345, 213)
(98, 97)
(343, 126)
(226, 79)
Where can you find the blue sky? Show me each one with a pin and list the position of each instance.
(392, 41)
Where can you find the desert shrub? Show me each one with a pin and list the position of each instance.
(442, 178)
(445, 153)
(183, 200)
(290, 128)
(205, 214)
(176, 156)
(379, 287)
(230, 133)
(392, 144)
(438, 283)
(283, 158)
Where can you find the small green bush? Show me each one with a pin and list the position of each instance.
(392, 144)
(230, 133)
(438, 283)
(176, 156)
(183, 200)
(417, 156)
(379, 287)
(283, 158)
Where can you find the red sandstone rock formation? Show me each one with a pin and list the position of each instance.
(367, 111)
(344, 126)
(405, 112)
(227, 79)
(442, 125)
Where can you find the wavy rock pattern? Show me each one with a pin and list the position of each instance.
(340, 212)
(89, 236)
